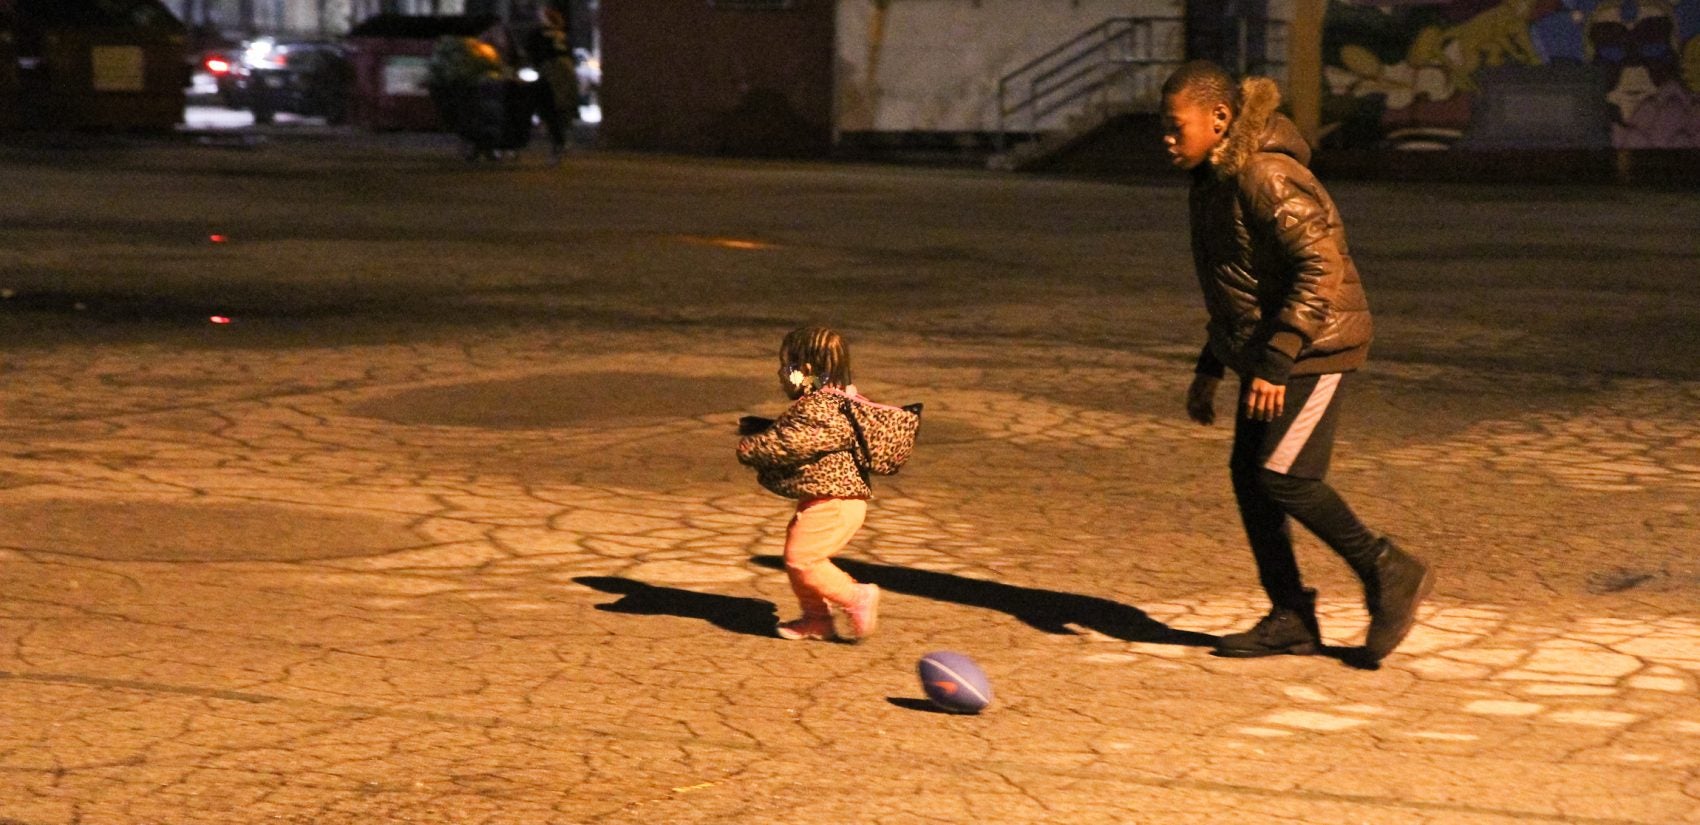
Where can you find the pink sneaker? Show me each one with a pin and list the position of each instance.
(816, 628)
(864, 611)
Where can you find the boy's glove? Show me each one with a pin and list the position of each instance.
(752, 424)
(1201, 398)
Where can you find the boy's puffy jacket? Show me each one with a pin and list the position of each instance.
(806, 453)
(1283, 294)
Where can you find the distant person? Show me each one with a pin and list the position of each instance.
(1288, 314)
(816, 452)
(589, 71)
(468, 82)
(557, 98)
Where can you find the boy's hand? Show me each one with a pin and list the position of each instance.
(1201, 399)
(1263, 400)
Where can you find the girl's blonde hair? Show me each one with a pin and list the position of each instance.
(822, 350)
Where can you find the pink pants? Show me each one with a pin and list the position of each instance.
(821, 528)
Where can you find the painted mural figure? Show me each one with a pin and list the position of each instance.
(1493, 38)
(1407, 77)
(1635, 42)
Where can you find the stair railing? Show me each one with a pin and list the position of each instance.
(1119, 52)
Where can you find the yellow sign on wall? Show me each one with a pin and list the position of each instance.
(118, 68)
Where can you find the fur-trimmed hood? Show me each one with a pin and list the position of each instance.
(1259, 128)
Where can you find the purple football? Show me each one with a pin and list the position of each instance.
(953, 682)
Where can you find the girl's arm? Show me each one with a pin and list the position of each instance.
(806, 431)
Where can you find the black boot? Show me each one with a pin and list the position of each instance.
(1285, 630)
(1392, 593)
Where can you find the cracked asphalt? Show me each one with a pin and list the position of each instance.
(444, 525)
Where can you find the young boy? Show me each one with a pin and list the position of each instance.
(1288, 315)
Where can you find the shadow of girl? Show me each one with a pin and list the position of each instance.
(1050, 611)
(752, 617)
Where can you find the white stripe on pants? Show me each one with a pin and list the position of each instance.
(1293, 442)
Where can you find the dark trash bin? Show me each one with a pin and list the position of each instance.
(391, 55)
(95, 64)
(492, 116)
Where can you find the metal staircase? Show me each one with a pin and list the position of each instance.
(1114, 68)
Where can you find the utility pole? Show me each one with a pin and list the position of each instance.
(1304, 66)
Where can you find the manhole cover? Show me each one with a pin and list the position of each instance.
(601, 398)
(151, 531)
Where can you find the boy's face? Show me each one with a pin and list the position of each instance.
(1191, 129)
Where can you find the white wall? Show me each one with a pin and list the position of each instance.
(301, 17)
(934, 65)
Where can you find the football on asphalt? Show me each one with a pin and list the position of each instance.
(953, 682)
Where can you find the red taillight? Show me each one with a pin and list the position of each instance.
(218, 65)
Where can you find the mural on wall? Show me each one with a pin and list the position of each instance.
(1557, 73)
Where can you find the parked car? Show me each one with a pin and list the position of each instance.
(214, 75)
(312, 78)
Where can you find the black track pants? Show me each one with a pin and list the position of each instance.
(1277, 469)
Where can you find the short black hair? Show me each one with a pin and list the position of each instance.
(1204, 83)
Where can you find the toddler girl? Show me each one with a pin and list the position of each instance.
(809, 454)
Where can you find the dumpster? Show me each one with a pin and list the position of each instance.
(97, 64)
(392, 65)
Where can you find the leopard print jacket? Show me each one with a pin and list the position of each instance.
(806, 453)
